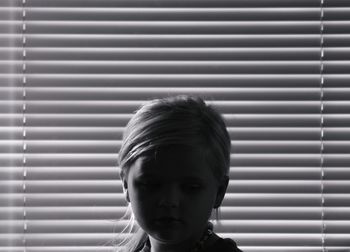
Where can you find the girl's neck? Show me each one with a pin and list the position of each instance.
(157, 246)
(204, 238)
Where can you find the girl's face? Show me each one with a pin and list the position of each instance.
(172, 195)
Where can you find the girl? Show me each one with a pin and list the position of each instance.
(174, 162)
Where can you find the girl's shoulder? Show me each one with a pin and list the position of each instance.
(223, 245)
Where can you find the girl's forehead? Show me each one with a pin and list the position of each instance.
(173, 161)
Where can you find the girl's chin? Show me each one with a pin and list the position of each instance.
(169, 236)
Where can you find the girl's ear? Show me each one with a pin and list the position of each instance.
(125, 190)
(221, 191)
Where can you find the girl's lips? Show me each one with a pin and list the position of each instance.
(168, 221)
(167, 218)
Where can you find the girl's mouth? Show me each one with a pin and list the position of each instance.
(168, 221)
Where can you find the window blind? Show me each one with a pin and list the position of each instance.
(11, 195)
(73, 72)
(335, 160)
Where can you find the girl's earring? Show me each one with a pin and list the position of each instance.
(215, 216)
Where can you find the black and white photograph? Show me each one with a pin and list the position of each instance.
(174, 125)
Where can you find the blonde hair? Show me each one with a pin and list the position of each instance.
(180, 120)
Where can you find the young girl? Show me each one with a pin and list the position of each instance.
(174, 162)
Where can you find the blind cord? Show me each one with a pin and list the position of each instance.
(322, 125)
(24, 121)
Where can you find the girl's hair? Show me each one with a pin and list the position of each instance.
(180, 120)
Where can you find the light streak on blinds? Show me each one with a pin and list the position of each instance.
(24, 122)
(322, 125)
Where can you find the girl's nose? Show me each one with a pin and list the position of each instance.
(169, 196)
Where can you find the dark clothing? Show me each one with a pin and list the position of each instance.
(223, 245)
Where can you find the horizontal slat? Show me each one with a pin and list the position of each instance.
(115, 199)
(224, 226)
(159, 13)
(341, 240)
(236, 173)
(110, 159)
(242, 199)
(173, 13)
(173, 80)
(176, 3)
(60, 200)
(226, 212)
(232, 120)
(103, 213)
(115, 133)
(19, 248)
(115, 186)
(237, 133)
(228, 106)
(172, 67)
(85, 239)
(274, 239)
(211, 53)
(115, 107)
(336, 186)
(338, 227)
(337, 13)
(109, 226)
(124, 93)
(177, 27)
(305, 40)
(337, 173)
(59, 159)
(60, 133)
(88, 159)
(147, 53)
(268, 226)
(275, 160)
(114, 213)
(111, 249)
(65, 186)
(224, 93)
(120, 3)
(68, 239)
(285, 249)
(337, 27)
(337, 160)
(117, 81)
(88, 146)
(61, 173)
(337, 200)
(179, 40)
(181, 27)
(330, 147)
(185, 67)
(337, 120)
(48, 146)
(277, 173)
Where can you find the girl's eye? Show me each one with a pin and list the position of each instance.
(192, 187)
(148, 184)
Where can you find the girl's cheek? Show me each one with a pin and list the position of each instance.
(145, 196)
